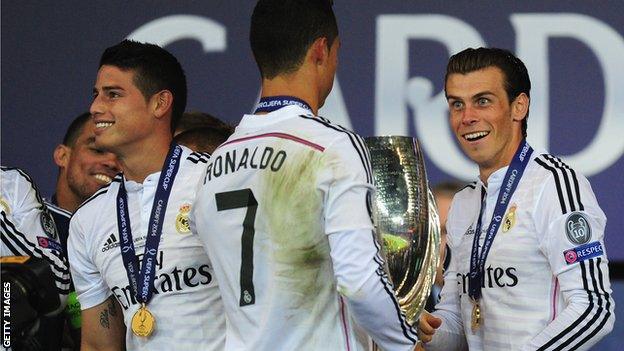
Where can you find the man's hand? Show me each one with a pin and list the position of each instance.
(427, 325)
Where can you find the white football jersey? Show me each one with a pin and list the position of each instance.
(185, 300)
(273, 194)
(28, 228)
(546, 281)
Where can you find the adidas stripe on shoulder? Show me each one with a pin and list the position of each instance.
(566, 182)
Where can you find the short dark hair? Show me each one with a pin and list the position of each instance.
(196, 119)
(75, 128)
(203, 139)
(283, 30)
(515, 72)
(155, 69)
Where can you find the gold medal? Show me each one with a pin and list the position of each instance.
(5, 206)
(476, 317)
(510, 219)
(182, 219)
(143, 322)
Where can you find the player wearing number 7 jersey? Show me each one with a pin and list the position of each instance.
(284, 209)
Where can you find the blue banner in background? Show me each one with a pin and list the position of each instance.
(389, 81)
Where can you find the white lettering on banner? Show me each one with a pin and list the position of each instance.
(396, 94)
(394, 88)
(532, 34)
(166, 30)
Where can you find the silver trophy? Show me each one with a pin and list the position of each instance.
(406, 219)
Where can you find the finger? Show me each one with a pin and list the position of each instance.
(425, 328)
(434, 321)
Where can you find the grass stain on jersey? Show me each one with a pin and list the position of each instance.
(300, 248)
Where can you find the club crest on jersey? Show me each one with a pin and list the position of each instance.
(583, 252)
(577, 228)
(182, 219)
(5, 206)
(510, 218)
(48, 225)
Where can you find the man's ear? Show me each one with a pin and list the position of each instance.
(61, 155)
(319, 50)
(162, 102)
(520, 107)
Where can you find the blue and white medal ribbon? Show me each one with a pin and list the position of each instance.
(142, 282)
(273, 103)
(477, 259)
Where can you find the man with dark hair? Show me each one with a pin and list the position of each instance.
(132, 238)
(205, 139)
(83, 168)
(284, 210)
(529, 269)
(152, 72)
(515, 75)
(195, 119)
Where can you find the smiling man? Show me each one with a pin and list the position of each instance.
(529, 267)
(142, 276)
(83, 168)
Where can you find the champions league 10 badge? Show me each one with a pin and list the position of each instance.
(48, 225)
(577, 228)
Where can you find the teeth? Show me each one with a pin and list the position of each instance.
(103, 124)
(103, 178)
(473, 136)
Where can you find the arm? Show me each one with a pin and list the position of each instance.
(361, 279)
(102, 318)
(103, 327)
(22, 231)
(357, 263)
(584, 279)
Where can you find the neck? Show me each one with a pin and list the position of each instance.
(502, 160)
(298, 84)
(65, 197)
(144, 159)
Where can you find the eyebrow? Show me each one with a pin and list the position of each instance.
(476, 96)
(108, 88)
(483, 93)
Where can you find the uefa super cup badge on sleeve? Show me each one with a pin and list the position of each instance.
(406, 219)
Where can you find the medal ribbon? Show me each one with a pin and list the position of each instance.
(142, 282)
(510, 183)
(272, 103)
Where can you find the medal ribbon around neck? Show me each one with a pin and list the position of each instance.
(142, 282)
(273, 103)
(510, 183)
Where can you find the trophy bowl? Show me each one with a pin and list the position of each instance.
(405, 218)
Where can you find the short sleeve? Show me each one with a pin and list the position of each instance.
(90, 286)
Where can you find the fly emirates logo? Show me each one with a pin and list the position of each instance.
(170, 280)
(494, 277)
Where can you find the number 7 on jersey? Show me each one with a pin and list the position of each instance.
(238, 199)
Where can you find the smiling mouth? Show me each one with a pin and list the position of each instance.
(103, 178)
(475, 136)
(103, 125)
